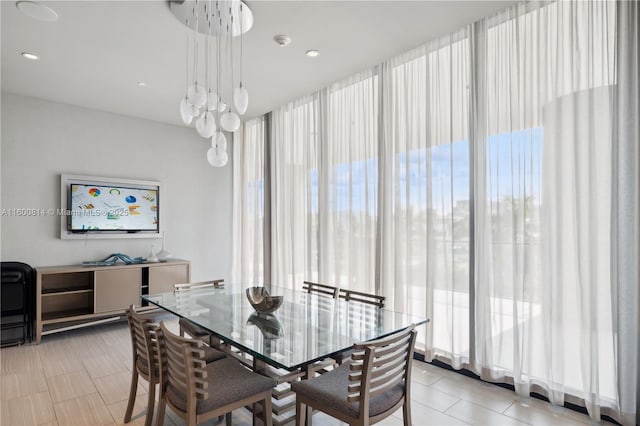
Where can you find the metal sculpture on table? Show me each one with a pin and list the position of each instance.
(113, 259)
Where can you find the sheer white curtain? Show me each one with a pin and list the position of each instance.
(349, 184)
(543, 185)
(294, 149)
(324, 186)
(626, 211)
(249, 150)
(425, 216)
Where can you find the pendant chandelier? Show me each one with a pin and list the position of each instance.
(210, 75)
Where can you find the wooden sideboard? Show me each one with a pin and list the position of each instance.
(76, 296)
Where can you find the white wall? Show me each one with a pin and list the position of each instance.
(42, 139)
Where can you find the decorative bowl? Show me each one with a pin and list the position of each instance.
(261, 301)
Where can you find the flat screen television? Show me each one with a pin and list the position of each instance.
(111, 208)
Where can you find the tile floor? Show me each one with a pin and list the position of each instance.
(82, 378)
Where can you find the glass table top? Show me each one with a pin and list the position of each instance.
(306, 328)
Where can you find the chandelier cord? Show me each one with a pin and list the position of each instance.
(186, 86)
(196, 14)
(207, 57)
(241, 44)
(230, 44)
(218, 61)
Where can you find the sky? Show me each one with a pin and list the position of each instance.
(513, 166)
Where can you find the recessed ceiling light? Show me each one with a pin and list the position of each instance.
(141, 84)
(312, 53)
(282, 40)
(30, 56)
(37, 11)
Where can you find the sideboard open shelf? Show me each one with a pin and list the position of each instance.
(76, 296)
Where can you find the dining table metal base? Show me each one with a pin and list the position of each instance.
(283, 400)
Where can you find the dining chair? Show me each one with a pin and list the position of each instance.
(191, 328)
(371, 386)
(360, 297)
(357, 296)
(197, 332)
(197, 392)
(322, 289)
(330, 292)
(143, 332)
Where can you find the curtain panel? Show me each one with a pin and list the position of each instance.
(424, 243)
(249, 180)
(543, 166)
(487, 180)
(294, 153)
(625, 217)
(324, 186)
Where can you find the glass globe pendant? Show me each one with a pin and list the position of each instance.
(217, 155)
(212, 101)
(223, 158)
(221, 105)
(186, 111)
(212, 157)
(197, 95)
(230, 121)
(219, 140)
(206, 125)
(217, 159)
(241, 99)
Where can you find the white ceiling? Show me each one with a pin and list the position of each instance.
(97, 50)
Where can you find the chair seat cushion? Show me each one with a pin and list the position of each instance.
(342, 357)
(228, 381)
(198, 332)
(211, 354)
(330, 389)
(192, 329)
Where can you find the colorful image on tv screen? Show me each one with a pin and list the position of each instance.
(106, 208)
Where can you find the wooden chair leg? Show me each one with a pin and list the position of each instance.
(267, 415)
(151, 402)
(406, 412)
(228, 419)
(254, 417)
(192, 419)
(308, 415)
(132, 395)
(300, 412)
(161, 407)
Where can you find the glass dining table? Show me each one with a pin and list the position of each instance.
(305, 329)
(297, 341)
